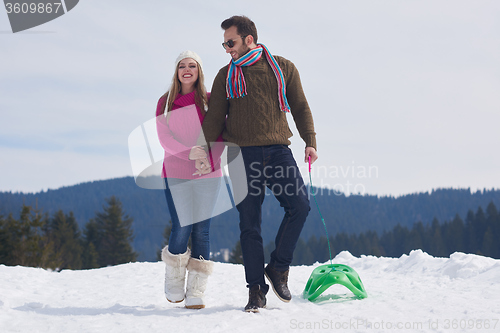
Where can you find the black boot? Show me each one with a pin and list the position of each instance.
(256, 299)
(279, 280)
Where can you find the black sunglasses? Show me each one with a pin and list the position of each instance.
(230, 43)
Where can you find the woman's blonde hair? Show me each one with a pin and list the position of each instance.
(200, 94)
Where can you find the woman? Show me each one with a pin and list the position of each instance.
(192, 181)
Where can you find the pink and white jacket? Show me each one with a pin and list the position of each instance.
(178, 131)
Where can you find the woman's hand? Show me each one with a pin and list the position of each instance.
(197, 152)
(202, 167)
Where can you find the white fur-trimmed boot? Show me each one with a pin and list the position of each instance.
(198, 273)
(175, 274)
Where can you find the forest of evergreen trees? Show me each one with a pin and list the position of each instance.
(346, 217)
(478, 234)
(343, 214)
(55, 242)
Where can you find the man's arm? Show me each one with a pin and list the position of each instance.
(215, 119)
(300, 111)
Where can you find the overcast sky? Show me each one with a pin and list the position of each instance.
(405, 94)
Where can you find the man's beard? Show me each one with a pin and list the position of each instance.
(245, 51)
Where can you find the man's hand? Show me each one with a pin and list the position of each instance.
(310, 151)
(197, 152)
(202, 167)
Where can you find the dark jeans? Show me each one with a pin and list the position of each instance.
(272, 166)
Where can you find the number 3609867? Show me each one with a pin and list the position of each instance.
(32, 8)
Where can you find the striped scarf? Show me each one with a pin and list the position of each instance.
(235, 81)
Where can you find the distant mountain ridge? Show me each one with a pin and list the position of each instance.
(352, 214)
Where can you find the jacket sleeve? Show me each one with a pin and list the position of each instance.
(300, 110)
(215, 151)
(215, 119)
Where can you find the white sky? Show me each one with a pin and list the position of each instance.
(409, 90)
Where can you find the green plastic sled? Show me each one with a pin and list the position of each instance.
(324, 276)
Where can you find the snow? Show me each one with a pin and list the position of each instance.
(413, 293)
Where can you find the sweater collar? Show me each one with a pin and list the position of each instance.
(184, 100)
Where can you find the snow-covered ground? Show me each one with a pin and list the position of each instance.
(415, 293)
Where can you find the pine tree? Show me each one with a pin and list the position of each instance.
(387, 242)
(437, 247)
(454, 235)
(33, 248)
(114, 235)
(492, 212)
(64, 233)
(480, 228)
(319, 248)
(92, 237)
(400, 235)
(72, 247)
(361, 244)
(341, 242)
(10, 236)
(420, 235)
(488, 248)
(3, 239)
(494, 224)
(471, 243)
(376, 249)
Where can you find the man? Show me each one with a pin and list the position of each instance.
(249, 101)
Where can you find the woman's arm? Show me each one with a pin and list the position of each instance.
(165, 135)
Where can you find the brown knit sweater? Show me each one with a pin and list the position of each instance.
(256, 119)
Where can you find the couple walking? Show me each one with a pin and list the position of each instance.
(247, 111)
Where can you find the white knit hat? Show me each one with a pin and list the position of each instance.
(188, 54)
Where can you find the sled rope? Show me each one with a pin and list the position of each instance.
(319, 211)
